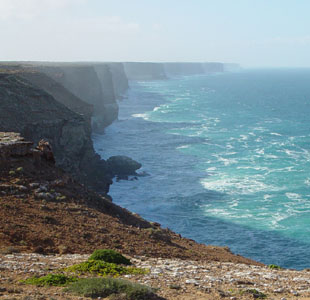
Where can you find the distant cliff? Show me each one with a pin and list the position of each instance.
(144, 71)
(159, 71)
(34, 113)
(182, 69)
(120, 80)
(93, 85)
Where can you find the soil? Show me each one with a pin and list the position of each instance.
(44, 210)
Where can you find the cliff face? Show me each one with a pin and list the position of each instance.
(61, 94)
(107, 107)
(36, 114)
(120, 80)
(182, 69)
(144, 71)
(153, 71)
(213, 67)
(91, 83)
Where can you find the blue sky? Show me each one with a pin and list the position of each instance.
(254, 33)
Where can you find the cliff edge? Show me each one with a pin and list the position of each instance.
(36, 114)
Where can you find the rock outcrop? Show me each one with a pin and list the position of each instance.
(36, 114)
(12, 145)
(123, 166)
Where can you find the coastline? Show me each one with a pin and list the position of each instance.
(162, 243)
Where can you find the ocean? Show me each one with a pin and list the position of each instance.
(228, 158)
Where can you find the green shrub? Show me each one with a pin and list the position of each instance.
(275, 267)
(50, 280)
(102, 268)
(104, 287)
(255, 293)
(110, 256)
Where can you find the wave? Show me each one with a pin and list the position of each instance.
(237, 185)
(144, 116)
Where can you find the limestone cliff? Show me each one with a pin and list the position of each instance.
(120, 80)
(36, 114)
(61, 94)
(144, 71)
(213, 67)
(106, 108)
(183, 69)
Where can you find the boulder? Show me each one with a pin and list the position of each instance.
(123, 166)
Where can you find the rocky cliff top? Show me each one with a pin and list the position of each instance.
(12, 144)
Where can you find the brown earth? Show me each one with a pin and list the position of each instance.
(44, 210)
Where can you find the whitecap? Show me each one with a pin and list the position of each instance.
(243, 137)
(293, 196)
(226, 161)
(143, 116)
(183, 147)
(236, 185)
(275, 133)
(260, 151)
(271, 156)
(211, 169)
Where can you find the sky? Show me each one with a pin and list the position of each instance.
(253, 33)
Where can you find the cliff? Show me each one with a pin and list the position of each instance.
(59, 214)
(36, 114)
(183, 69)
(120, 80)
(61, 94)
(213, 67)
(144, 71)
(155, 71)
(83, 81)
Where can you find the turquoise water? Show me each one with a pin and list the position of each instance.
(228, 157)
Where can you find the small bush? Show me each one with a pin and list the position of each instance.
(255, 293)
(274, 267)
(102, 268)
(50, 280)
(109, 256)
(104, 287)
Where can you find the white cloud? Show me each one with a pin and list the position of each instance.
(27, 9)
